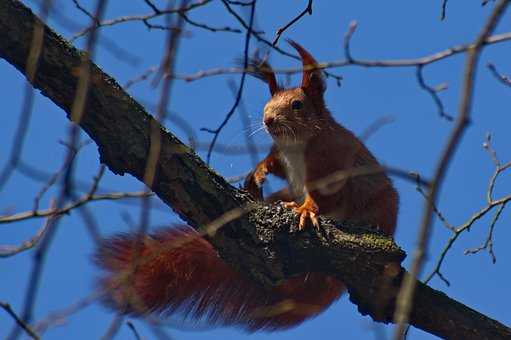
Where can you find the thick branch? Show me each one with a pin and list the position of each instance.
(368, 263)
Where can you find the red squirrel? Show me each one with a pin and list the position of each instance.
(176, 270)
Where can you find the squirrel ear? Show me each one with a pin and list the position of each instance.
(313, 82)
(261, 69)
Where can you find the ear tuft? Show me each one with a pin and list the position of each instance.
(261, 69)
(313, 82)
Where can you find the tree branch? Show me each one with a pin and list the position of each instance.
(367, 262)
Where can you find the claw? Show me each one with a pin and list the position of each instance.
(307, 211)
(291, 205)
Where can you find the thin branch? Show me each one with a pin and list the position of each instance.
(425, 60)
(462, 228)
(76, 115)
(374, 127)
(152, 6)
(488, 244)
(491, 203)
(491, 151)
(216, 132)
(150, 170)
(500, 77)
(131, 326)
(32, 62)
(144, 76)
(352, 27)
(268, 43)
(443, 10)
(404, 302)
(433, 93)
(85, 11)
(109, 45)
(7, 251)
(280, 30)
(56, 317)
(239, 3)
(114, 327)
(250, 145)
(437, 211)
(22, 324)
(67, 208)
(207, 27)
(142, 18)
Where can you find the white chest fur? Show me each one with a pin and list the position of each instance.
(294, 162)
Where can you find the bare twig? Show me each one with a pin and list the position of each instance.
(491, 151)
(114, 327)
(347, 40)
(434, 94)
(57, 317)
(239, 3)
(485, 2)
(73, 205)
(22, 324)
(85, 11)
(415, 62)
(307, 10)
(76, 114)
(250, 145)
(51, 181)
(145, 75)
(443, 10)
(207, 27)
(109, 45)
(405, 297)
(131, 326)
(502, 78)
(374, 127)
(488, 244)
(462, 228)
(7, 251)
(142, 18)
(26, 112)
(152, 6)
(216, 132)
(268, 43)
(490, 204)
(438, 213)
(167, 66)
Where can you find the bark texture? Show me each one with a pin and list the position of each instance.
(259, 242)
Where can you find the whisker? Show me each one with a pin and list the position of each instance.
(256, 131)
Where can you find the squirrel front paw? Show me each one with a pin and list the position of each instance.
(307, 211)
(253, 183)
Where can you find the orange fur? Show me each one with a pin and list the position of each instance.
(179, 271)
(320, 158)
(176, 270)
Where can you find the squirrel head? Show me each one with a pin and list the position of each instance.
(297, 113)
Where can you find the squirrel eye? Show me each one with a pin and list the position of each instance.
(296, 105)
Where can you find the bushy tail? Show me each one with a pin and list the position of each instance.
(176, 270)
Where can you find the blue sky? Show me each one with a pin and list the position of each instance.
(397, 29)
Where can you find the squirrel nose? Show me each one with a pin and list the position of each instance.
(268, 121)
